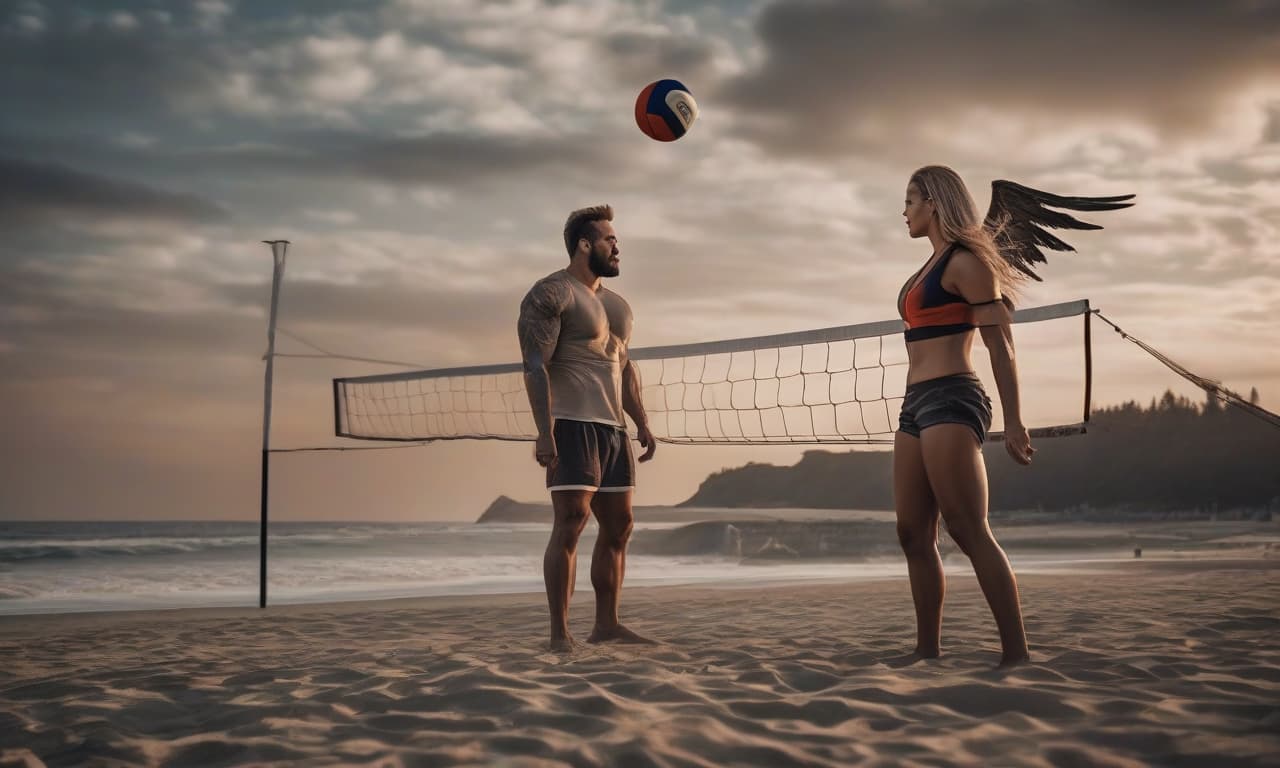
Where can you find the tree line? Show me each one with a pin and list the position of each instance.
(1174, 454)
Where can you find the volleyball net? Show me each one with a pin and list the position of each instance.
(830, 385)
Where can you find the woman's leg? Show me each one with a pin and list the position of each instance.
(918, 534)
(958, 477)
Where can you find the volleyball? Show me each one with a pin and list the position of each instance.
(665, 110)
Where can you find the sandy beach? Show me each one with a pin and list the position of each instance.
(1172, 662)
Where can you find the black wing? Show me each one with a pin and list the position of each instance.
(1018, 215)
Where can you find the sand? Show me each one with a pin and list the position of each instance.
(1144, 662)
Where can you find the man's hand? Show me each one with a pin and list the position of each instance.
(544, 450)
(646, 442)
(1018, 443)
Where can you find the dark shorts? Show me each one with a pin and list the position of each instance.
(592, 457)
(955, 399)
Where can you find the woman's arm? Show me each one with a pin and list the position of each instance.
(973, 280)
(999, 341)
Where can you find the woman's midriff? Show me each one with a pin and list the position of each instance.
(941, 356)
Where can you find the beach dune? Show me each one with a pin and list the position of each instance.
(1148, 662)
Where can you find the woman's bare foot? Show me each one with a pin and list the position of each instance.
(914, 657)
(617, 633)
(1013, 660)
(563, 643)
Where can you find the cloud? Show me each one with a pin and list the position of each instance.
(454, 158)
(439, 158)
(836, 76)
(641, 56)
(1271, 134)
(388, 302)
(115, 66)
(41, 190)
(337, 217)
(299, 179)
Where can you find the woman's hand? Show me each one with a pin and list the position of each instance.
(1018, 443)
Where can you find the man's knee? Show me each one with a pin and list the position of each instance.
(570, 520)
(917, 539)
(566, 538)
(616, 538)
(615, 530)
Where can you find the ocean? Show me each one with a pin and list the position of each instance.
(55, 567)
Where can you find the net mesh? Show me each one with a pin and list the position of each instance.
(831, 385)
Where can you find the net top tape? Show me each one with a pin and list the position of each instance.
(817, 336)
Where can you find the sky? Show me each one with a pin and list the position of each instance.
(422, 155)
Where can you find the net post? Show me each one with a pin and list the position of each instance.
(1088, 362)
(337, 411)
(279, 249)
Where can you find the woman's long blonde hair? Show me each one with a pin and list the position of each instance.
(959, 223)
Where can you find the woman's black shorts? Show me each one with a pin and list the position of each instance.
(955, 399)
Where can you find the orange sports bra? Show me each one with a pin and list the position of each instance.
(929, 309)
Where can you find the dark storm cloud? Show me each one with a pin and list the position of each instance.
(453, 158)
(1235, 171)
(456, 159)
(55, 312)
(35, 189)
(834, 71)
(65, 330)
(388, 301)
(79, 65)
(1235, 229)
(641, 57)
(1271, 134)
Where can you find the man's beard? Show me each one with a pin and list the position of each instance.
(600, 266)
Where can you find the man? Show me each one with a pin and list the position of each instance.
(573, 339)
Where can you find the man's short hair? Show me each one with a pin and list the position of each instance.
(582, 223)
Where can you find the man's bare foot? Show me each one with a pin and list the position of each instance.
(618, 633)
(563, 644)
(927, 652)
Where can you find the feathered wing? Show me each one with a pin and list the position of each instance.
(1019, 215)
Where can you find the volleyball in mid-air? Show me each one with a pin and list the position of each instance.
(665, 110)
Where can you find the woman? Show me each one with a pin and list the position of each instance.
(938, 469)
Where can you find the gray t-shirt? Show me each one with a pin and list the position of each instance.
(595, 328)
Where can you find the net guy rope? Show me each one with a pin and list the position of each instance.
(1213, 388)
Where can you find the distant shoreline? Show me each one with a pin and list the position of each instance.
(751, 535)
(506, 510)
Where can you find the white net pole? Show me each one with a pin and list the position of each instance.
(279, 249)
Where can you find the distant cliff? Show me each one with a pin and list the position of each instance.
(820, 480)
(507, 510)
(1174, 455)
